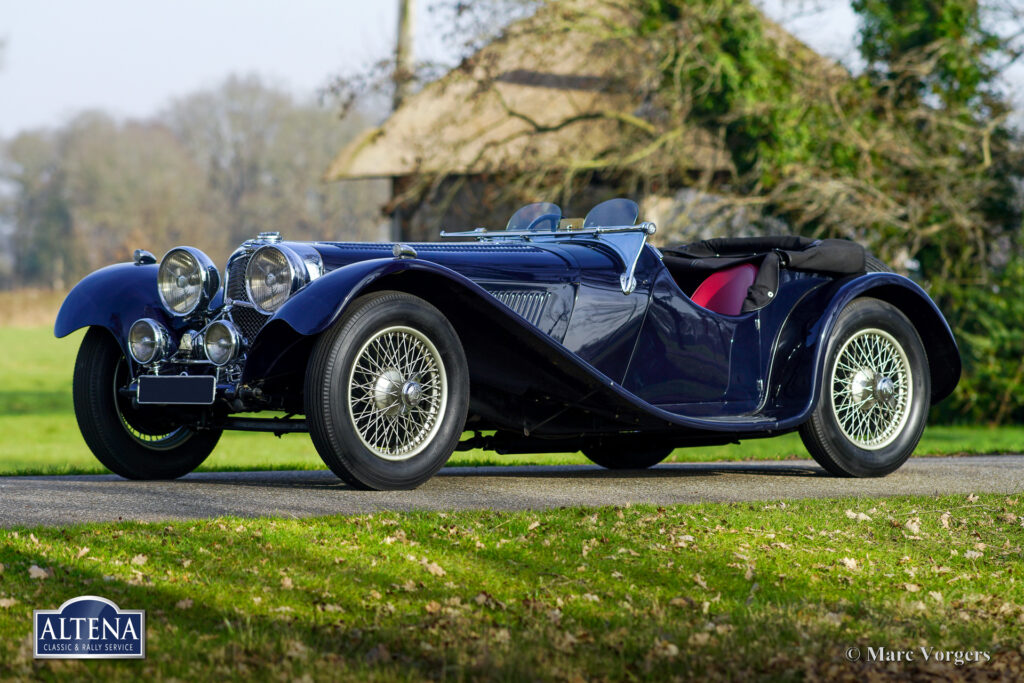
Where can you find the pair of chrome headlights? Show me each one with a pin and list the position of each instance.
(188, 280)
(149, 341)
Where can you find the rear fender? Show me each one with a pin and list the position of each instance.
(806, 334)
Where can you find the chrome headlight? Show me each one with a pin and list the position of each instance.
(222, 342)
(148, 341)
(186, 280)
(273, 274)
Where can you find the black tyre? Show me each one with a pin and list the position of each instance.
(873, 264)
(874, 395)
(622, 457)
(134, 442)
(387, 391)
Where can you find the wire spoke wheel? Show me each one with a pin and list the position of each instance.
(387, 392)
(397, 392)
(136, 442)
(872, 389)
(146, 435)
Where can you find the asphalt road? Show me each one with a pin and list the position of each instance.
(71, 499)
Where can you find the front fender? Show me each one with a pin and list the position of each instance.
(287, 335)
(808, 331)
(320, 303)
(113, 297)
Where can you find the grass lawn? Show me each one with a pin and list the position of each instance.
(716, 590)
(39, 435)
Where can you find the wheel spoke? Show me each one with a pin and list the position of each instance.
(870, 388)
(397, 392)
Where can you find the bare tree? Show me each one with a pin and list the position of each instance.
(263, 156)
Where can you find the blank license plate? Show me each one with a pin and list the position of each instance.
(177, 389)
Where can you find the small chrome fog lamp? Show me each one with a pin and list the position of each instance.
(148, 341)
(222, 342)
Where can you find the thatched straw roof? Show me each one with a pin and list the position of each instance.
(481, 117)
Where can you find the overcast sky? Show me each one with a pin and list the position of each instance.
(131, 57)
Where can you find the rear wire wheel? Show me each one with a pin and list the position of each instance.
(874, 395)
(619, 456)
(387, 392)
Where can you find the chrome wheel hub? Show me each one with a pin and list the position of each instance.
(397, 393)
(872, 389)
(412, 393)
(885, 391)
(385, 397)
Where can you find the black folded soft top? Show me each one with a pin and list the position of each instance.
(840, 257)
(830, 256)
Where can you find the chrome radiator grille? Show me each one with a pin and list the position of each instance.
(529, 304)
(249, 320)
(236, 279)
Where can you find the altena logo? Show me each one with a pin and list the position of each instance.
(89, 627)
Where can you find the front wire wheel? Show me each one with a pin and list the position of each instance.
(146, 430)
(135, 442)
(874, 398)
(387, 392)
(397, 393)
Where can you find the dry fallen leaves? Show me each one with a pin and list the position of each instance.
(286, 583)
(848, 562)
(699, 639)
(140, 560)
(699, 580)
(7, 602)
(972, 554)
(296, 650)
(859, 516)
(913, 525)
(663, 649)
(82, 552)
(564, 642)
(37, 572)
(911, 587)
(186, 603)
(434, 568)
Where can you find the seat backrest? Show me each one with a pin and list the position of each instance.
(723, 292)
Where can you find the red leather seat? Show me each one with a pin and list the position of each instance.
(723, 292)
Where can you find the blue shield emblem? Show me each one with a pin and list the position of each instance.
(89, 627)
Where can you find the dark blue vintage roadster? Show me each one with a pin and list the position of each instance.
(550, 335)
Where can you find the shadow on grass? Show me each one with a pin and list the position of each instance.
(376, 628)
